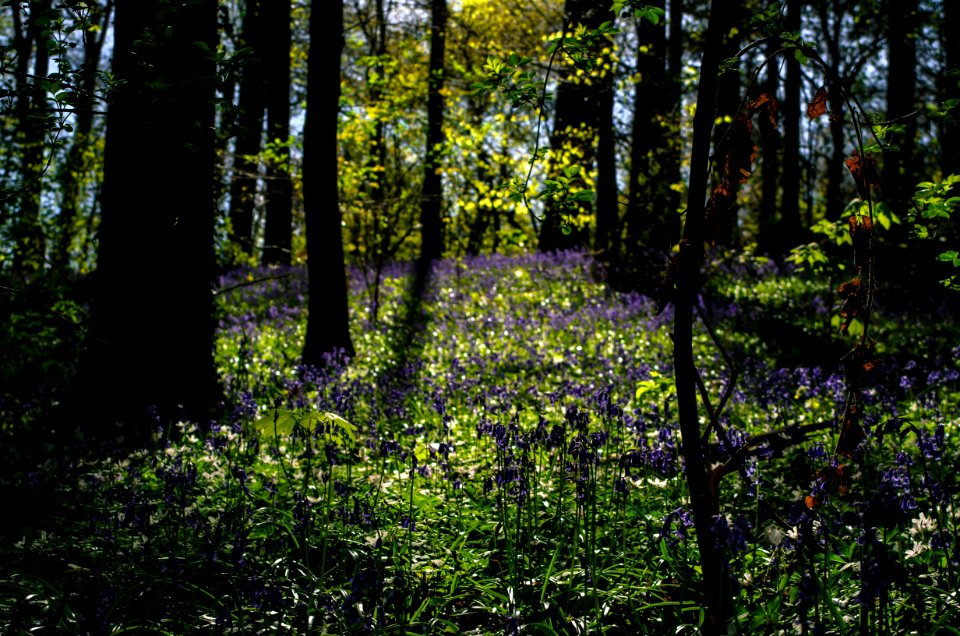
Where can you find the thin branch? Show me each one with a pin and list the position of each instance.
(247, 283)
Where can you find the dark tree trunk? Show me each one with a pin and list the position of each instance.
(607, 239)
(790, 228)
(671, 150)
(377, 160)
(246, 167)
(574, 126)
(651, 217)
(950, 132)
(431, 203)
(770, 163)
(687, 267)
(78, 164)
(227, 114)
(487, 215)
(328, 318)
(30, 242)
(152, 330)
(835, 168)
(898, 165)
(278, 230)
(652, 100)
(728, 103)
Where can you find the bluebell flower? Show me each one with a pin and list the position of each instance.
(817, 452)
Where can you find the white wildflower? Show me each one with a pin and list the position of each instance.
(917, 549)
(921, 524)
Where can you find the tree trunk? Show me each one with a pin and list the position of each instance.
(278, 230)
(246, 166)
(687, 266)
(655, 162)
(836, 167)
(377, 160)
(950, 131)
(227, 115)
(898, 165)
(431, 203)
(574, 128)
(791, 227)
(607, 239)
(328, 320)
(728, 103)
(651, 99)
(767, 235)
(152, 331)
(670, 150)
(29, 240)
(78, 165)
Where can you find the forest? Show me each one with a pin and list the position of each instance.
(597, 317)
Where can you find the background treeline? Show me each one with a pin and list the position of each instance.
(158, 143)
(624, 119)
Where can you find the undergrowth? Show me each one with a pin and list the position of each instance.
(510, 465)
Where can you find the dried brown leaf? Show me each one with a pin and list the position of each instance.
(818, 106)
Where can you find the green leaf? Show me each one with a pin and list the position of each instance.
(277, 421)
(950, 256)
(885, 215)
(330, 424)
(653, 15)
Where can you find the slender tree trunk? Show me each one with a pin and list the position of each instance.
(574, 128)
(835, 168)
(770, 163)
(950, 131)
(483, 219)
(30, 241)
(687, 267)
(652, 100)
(377, 160)
(328, 326)
(607, 240)
(78, 164)
(246, 166)
(728, 103)
(227, 115)
(671, 150)
(431, 203)
(278, 231)
(151, 338)
(791, 226)
(898, 165)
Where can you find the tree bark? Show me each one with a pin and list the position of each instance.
(29, 239)
(791, 226)
(152, 331)
(278, 230)
(770, 164)
(728, 104)
(835, 168)
(607, 239)
(328, 320)
(78, 164)
(950, 131)
(246, 165)
(687, 272)
(431, 202)
(898, 165)
(574, 127)
(651, 218)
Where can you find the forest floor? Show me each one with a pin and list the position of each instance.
(509, 464)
